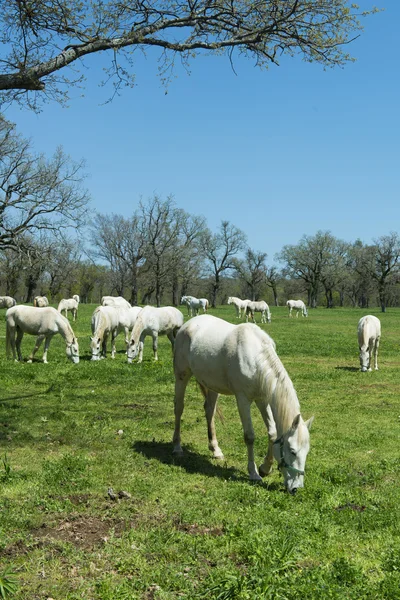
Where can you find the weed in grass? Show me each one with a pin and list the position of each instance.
(7, 467)
(8, 583)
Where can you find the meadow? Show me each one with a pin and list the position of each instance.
(193, 527)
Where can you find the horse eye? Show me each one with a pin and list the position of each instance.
(293, 452)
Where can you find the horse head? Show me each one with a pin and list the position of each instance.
(95, 346)
(132, 350)
(72, 350)
(290, 450)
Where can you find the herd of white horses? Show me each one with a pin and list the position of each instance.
(238, 360)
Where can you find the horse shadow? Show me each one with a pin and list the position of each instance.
(352, 369)
(195, 463)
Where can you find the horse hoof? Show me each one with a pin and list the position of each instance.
(264, 473)
(255, 477)
(177, 452)
(29, 360)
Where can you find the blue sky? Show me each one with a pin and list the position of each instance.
(280, 153)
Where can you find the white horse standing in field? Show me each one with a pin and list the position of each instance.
(7, 302)
(195, 304)
(240, 360)
(298, 305)
(42, 322)
(261, 307)
(69, 304)
(154, 322)
(127, 319)
(40, 301)
(239, 305)
(105, 322)
(369, 335)
(116, 301)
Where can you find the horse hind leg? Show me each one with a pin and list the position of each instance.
(155, 344)
(210, 405)
(171, 336)
(18, 340)
(244, 407)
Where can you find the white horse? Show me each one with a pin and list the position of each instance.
(241, 360)
(42, 322)
(76, 297)
(116, 301)
(68, 304)
(7, 302)
(238, 304)
(369, 335)
(40, 301)
(127, 319)
(298, 305)
(105, 322)
(153, 321)
(261, 307)
(195, 304)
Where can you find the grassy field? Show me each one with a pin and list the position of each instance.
(193, 527)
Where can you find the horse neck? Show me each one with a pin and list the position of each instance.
(138, 328)
(278, 390)
(100, 324)
(65, 330)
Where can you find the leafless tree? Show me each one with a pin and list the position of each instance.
(36, 194)
(45, 42)
(252, 271)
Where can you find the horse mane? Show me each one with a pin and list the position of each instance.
(277, 387)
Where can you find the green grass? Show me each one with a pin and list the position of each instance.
(193, 527)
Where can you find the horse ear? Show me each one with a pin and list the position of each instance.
(99, 340)
(309, 422)
(296, 422)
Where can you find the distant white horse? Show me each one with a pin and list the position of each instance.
(117, 301)
(298, 305)
(40, 301)
(369, 335)
(105, 322)
(195, 304)
(76, 297)
(240, 360)
(127, 319)
(7, 302)
(42, 322)
(154, 322)
(68, 304)
(261, 307)
(238, 304)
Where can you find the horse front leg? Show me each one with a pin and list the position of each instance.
(104, 346)
(155, 344)
(244, 407)
(46, 347)
(114, 334)
(39, 340)
(171, 336)
(181, 381)
(376, 348)
(210, 405)
(266, 413)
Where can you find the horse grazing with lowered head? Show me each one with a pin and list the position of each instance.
(7, 302)
(238, 304)
(240, 360)
(105, 323)
(42, 322)
(369, 335)
(261, 307)
(40, 301)
(298, 306)
(195, 304)
(154, 322)
(116, 301)
(68, 304)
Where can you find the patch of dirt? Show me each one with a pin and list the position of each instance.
(135, 406)
(82, 531)
(196, 529)
(352, 506)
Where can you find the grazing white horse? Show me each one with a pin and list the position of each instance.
(105, 322)
(42, 322)
(195, 304)
(369, 335)
(240, 360)
(76, 297)
(40, 301)
(127, 319)
(68, 304)
(7, 302)
(298, 305)
(117, 301)
(238, 304)
(153, 321)
(261, 307)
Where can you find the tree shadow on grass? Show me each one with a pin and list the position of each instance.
(193, 462)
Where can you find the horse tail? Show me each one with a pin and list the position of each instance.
(8, 338)
(35, 302)
(207, 304)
